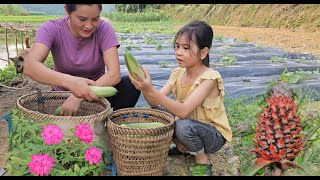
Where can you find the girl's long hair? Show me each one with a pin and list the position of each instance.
(199, 32)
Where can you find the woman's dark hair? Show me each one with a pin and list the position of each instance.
(72, 7)
(199, 32)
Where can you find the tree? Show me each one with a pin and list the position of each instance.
(134, 8)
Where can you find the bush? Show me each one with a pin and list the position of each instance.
(41, 149)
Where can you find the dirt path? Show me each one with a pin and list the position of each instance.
(297, 41)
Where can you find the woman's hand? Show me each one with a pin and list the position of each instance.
(141, 84)
(79, 87)
(71, 106)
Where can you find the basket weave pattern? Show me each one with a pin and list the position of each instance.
(140, 151)
(94, 113)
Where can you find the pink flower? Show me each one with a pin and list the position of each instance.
(93, 155)
(84, 133)
(52, 134)
(41, 164)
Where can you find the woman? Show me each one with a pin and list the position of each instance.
(83, 47)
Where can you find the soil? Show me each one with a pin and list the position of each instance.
(298, 41)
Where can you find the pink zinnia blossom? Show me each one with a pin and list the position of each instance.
(52, 134)
(93, 155)
(41, 164)
(84, 132)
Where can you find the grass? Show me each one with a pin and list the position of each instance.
(27, 19)
(166, 27)
(291, 16)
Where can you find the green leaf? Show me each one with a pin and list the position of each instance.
(59, 167)
(259, 163)
(293, 79)
(19, 172)
(309, 135)
(83, 171)
(76, 168)
(16, 160)
(73, 174)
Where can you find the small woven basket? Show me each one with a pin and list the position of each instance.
(140, 151)
(94, 113)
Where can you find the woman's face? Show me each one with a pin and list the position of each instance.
(84, 20)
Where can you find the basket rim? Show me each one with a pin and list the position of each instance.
(103, 100)
(140, 109)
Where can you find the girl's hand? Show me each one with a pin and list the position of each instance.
(142, 84)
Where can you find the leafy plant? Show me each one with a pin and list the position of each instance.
(164, 64)
(279, 140)
(277, 59)
(42, 149)
(158, 46)
(228, 60)
(150, 40)
(295, 76)
(8, 74)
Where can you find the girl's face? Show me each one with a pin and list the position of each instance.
(84, 20)
(187, 54)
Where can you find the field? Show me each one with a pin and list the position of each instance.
(246, 84)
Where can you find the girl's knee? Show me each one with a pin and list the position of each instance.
(183, 123)
(183, 128)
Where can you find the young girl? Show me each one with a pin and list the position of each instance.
(201, 125)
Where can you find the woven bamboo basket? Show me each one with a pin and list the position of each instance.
(140, 151)
(94, 113)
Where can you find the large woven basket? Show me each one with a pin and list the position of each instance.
(140, 151)
(94, 113)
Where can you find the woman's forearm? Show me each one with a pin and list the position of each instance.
(108, 79)
(42, 74)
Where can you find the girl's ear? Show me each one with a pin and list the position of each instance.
(204, 52)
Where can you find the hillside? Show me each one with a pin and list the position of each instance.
(289, 16)
(293, 27)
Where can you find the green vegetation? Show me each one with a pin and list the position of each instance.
(13, 9)
(226, 60)
(295, 76)
(26, 140)
(167, 27)
(242, 112)
(133, 8)
(37, 19)
(277, 59)
(243, 115)
(164, 64)
(291, 16)
(138, 17)
(8, 74)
